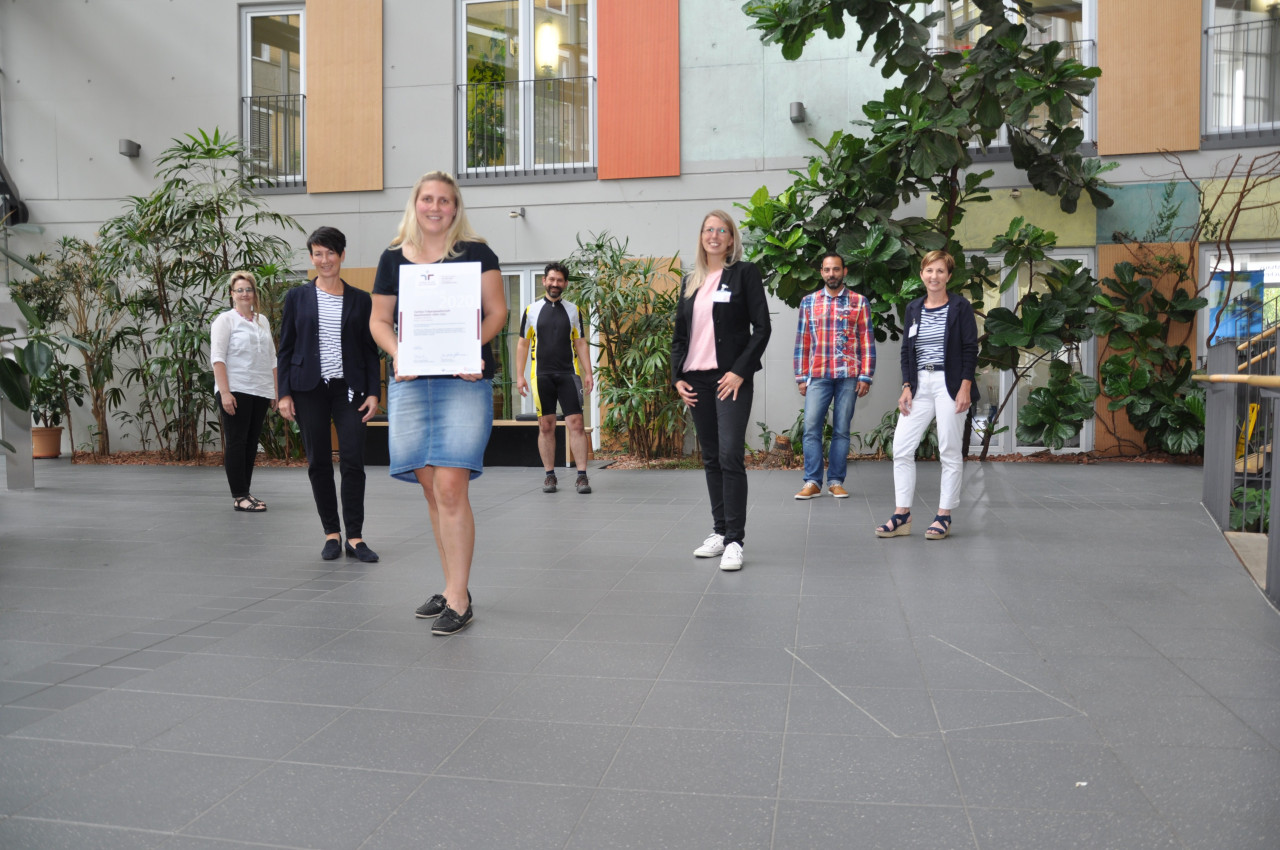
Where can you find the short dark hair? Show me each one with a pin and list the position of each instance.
(823, 258)
(327, 237)
(557, 267)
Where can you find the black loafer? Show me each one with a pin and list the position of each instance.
(362, 551)
(435, 606)
(451, 622)
(332, 549)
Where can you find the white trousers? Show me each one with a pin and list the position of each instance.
(931, 400)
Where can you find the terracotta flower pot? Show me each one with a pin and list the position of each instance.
(46, 442)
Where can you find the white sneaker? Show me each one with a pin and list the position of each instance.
(712, 546)
(732, 559)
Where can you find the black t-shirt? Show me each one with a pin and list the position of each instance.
(555, 351)
(387, 279)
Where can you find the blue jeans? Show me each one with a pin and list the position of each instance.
(817, 399)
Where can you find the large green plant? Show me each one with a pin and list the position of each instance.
(1148, 377)
(23, 356)
(920, 137)
(178, 245)
(83, 299)
(1048, 323)
(626, 301)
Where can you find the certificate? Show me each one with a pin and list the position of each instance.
(439, 319)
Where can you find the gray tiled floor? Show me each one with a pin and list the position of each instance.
(1083, 665)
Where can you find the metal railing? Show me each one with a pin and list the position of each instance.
(272, 127)
(1241, 415)
(527, 129)
(1242, 80)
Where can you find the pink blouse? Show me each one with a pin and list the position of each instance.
(702, 335)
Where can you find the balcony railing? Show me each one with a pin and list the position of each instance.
(272, 128)
(1242, 80)
(527, 130)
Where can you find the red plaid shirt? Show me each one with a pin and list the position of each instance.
(833, 337)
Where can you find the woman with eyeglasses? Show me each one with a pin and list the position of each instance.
(722, 328)
(244, 372)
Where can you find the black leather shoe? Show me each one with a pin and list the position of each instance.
(435, 606)
(362, 551)
(332, 549)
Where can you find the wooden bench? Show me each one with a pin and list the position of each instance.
(513, 442)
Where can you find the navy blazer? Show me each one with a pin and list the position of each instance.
(298, 356)
(959, 346)
(742, 324)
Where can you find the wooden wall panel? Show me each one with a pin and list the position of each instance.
(361, 278)
(1112, 433)
(344, 95)
(638, 89)
(1149, 92)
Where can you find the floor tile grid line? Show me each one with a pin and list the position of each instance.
(622, 742)
(159, 639)
(791, 686)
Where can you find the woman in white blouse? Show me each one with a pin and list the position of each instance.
(244, 372)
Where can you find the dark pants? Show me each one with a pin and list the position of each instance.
(240, 433)
(314, 410)
(722, 431)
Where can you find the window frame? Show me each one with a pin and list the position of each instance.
(292, 183)
(526, 170)
(1215, 136)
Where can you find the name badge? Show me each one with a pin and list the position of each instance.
(721, 296)
(911, 331)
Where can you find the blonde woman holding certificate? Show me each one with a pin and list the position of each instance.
(440, 424)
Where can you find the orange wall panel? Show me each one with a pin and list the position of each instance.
(638, 88)
(1149, 92)
(344, 95)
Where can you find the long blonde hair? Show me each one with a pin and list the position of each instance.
(460, 231)
(243, 275)
(700, 269)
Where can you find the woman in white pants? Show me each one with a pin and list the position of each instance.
(939, 356)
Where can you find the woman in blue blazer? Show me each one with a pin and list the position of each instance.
(722, 328)
(939, 356)
(327, 368)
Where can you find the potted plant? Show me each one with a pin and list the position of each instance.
(51, 397)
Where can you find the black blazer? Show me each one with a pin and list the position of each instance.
(298, 357)
(741, 323)
(959, 346)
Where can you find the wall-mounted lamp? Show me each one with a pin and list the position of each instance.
(1015, 193)
(516, 213)
(130, 148)
(797, 112)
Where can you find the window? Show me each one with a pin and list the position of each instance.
(1242, 69)
(527, 107)
(1071, 23)
(272, 115)
(1243, 291)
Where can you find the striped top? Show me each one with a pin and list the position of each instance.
(931, 336)
(330, 309)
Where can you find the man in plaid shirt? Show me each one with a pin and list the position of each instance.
(835, 359)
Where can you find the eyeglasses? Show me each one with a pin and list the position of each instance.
(241, 291)
(712, 231)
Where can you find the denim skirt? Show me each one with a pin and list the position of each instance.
(438, 421)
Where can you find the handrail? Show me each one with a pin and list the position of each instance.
(1257, 357)
(1272, 381)
(1259, 338)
